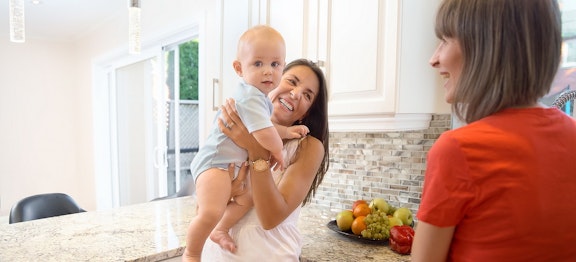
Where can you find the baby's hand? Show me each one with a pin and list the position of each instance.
(296, 131)
(277, 161)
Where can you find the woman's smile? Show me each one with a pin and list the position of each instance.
(286, 104)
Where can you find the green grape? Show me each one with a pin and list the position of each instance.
(377, 226)
(368, 220)
(366, 234)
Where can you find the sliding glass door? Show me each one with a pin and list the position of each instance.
(136, 144)
(154, 123)
(183, 112)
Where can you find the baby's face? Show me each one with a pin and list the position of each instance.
(262, 62)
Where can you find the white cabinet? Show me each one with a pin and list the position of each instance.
(288, 17)
(224, 22)
(356, 43)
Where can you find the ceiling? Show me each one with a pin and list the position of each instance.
(62, 19)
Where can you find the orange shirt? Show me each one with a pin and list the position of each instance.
(508, 184)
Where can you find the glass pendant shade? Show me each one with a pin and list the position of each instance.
(134, 27)
(17, 32)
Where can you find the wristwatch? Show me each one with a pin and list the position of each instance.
(260, 165)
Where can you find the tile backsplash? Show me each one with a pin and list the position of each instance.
(389, 165)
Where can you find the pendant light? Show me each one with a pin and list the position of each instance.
(134, 27)
(17, 32)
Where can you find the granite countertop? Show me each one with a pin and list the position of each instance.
(323, 244)
(155, 231)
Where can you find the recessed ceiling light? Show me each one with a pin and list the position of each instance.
(36, 2)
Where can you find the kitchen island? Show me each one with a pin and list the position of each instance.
(155, 231)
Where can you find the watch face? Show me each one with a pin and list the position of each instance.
(261, 165)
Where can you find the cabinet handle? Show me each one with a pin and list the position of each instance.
(160, 158)
(215, 94)
(156, 158)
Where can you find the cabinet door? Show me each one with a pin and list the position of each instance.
(237, 16)
(357, 40)
(236, 19)
(223, 24)
(288, 18)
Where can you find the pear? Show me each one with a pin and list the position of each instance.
(405, 215)
(379, 204)
(344, 220)
(394, 221)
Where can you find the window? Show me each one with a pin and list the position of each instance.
(566, 77)
(183, 112)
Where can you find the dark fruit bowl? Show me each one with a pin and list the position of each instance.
(348, 234)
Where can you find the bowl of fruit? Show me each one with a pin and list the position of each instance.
(370, 222)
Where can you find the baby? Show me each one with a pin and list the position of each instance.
(260, 61)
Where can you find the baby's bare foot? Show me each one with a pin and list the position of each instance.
(224, 240)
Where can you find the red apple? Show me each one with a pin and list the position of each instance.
(357, 202)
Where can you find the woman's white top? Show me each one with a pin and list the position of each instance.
(282, 243)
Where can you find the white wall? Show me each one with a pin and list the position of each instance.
(39, 121)
(46, 116)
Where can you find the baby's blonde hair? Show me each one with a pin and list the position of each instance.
(258, 32)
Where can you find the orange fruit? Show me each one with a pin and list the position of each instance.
(357, 202)
(361, 210)
(358, 225)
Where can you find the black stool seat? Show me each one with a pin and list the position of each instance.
(43, 206)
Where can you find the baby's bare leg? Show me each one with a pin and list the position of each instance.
(234, 212)
(212, 204)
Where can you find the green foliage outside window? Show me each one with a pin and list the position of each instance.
(189, 70)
